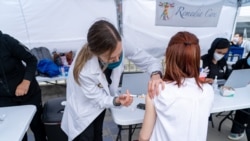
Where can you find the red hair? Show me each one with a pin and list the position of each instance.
(182, 58)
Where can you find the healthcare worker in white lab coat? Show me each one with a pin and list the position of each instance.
(93, 79)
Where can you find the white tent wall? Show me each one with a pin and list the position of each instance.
(56, 24)
(244, 14)
(11, 19)
(63, 24)
(139, 27)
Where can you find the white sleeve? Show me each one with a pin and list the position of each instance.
(141, 58)
(247, 46)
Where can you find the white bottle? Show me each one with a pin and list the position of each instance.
(215, 84)
(62, 71)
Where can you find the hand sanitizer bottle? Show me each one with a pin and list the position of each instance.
(215, 84)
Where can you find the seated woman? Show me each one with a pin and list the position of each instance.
(216, 63)
(215, 60)
(181, 110)
(240, 118)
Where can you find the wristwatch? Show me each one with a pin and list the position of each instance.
(116, 104)
(156, 72)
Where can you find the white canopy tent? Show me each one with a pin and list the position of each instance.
(56, 24)
(63, 24)
(139, 25)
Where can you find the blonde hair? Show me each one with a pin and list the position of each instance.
(102, 37)
(83, 56)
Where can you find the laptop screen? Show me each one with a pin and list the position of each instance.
(135, 82)
(238, 78)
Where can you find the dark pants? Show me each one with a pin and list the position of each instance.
(94, 131)
(36, 124)
(240, 119)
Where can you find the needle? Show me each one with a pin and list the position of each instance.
(133, 95)
(141, 95)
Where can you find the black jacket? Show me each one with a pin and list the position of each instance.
(17, 63)
(220, 69)
(241, 64)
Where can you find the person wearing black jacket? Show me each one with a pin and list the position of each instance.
(241, 118)
(18, 85)
(215, 60)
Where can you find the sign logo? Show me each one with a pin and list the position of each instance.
(166, 12)
(182, 13)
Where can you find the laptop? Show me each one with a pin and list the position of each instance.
(238, 78)
(135, 82)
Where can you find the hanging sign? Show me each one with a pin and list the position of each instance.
(184, 14)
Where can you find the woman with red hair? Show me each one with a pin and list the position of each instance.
(181, 110)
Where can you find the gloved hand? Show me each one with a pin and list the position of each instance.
(204, 72)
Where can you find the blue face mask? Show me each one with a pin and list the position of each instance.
(248, 61)
(115, 64)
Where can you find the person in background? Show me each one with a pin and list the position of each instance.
(18, 85)
(215, 61)
(239, 41)
(93, 79)
(181, 110)
(241, 118)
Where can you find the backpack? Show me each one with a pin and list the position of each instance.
(41, 53)
(44, 58)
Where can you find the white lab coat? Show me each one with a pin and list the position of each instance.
(86, 102)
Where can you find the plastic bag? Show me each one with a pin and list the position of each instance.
(48, 67)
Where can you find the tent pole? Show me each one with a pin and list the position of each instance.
(25, 23)
(239, 3)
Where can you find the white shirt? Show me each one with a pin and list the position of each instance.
(182, 113)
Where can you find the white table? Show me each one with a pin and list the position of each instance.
(16, 122)
(128, 116)
(240, 100)
(58, 80)
(121, 116)
(49, 79)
